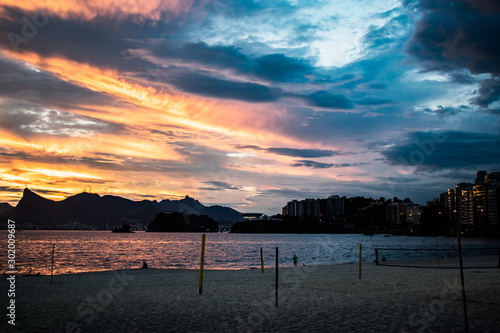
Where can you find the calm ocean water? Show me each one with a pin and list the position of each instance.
(88, 251)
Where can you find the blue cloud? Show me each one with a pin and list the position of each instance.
(319, 165)
(218, 88)
(273, 67)
(305, 153)
(326, 99)
(295, 152)
(373, 101)
(435, 151)
(454, 35)
(278, 67)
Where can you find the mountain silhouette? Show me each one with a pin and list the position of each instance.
(4, 206)
(90, 210)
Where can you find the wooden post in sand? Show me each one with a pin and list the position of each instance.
(276, 292)
(360, 248)
(261, 261)
(52, 265)
(202, 260)
(437, 250)
(498, 258)
(464, 303)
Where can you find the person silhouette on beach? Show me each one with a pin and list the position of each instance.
(144, 265)
(295, 258)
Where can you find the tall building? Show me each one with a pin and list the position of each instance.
(480, 197)
(413, 215)
(396, 213)
(481, 178)
(494, 207)
(493, 198)
(464, 201)
(450, 203)
(311, 207)
(476, 206)
(334, 206)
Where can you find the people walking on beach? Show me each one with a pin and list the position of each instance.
(295, 258)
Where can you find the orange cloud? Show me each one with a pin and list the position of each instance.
(89, 9)
(156, 120)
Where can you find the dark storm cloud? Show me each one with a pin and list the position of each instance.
(278, 67)
(489, 92)
(452, 35)
(273, 67)
(326, 99)
(226, 89)
(434, 151)
(461, 33)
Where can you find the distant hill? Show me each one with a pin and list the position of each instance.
(4, 206)
(88, 210)
(181, 222)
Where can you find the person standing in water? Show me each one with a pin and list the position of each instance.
(295, 258)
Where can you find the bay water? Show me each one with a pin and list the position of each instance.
(88, 251)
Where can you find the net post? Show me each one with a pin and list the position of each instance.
(261, 261)
(202, 260)
(360, 248)
(464, 302)
(376, 257)
(276, 290)
(437, 250)
(52, 265)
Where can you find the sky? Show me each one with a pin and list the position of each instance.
(247, 104)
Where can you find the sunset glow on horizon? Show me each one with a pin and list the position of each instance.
(247, 104)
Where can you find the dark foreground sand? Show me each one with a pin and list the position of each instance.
(311, 299)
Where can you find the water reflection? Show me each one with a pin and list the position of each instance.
(86, 251)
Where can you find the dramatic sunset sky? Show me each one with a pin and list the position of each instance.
(247, 104)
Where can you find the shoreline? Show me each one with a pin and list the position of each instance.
(469, 262)
(311, 298)
(364, 232)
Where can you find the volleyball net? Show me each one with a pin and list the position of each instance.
(486, 257)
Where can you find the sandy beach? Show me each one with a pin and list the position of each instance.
(311, 299)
